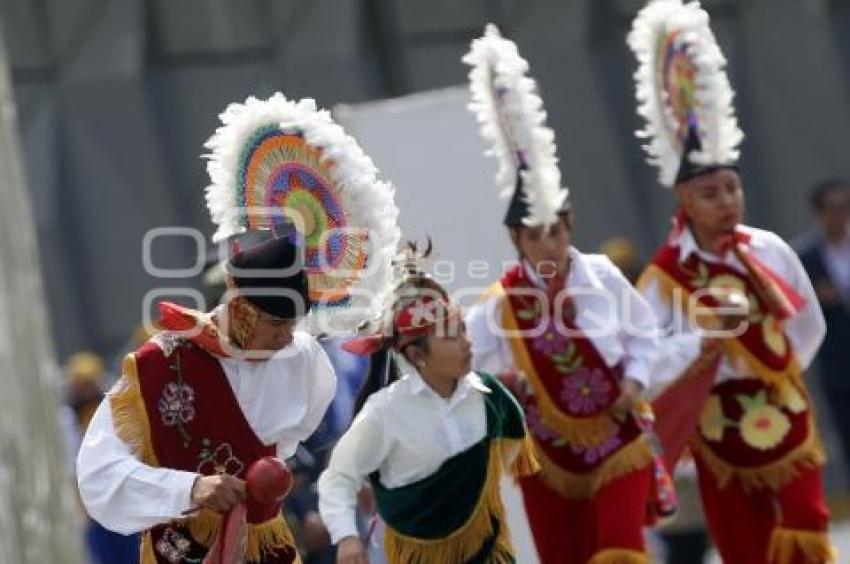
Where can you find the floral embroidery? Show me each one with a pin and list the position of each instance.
(535, 423)
(586, 391)
(711, 420)
(762, 426)
(173, 545)
(596, 453)
(724, 285)
(220, 461)
(552, 341)
(175, 405)
(793, 400)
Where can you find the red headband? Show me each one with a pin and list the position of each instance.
(420, 316)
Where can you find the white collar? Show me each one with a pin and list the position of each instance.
(464, 385)
(687, 244)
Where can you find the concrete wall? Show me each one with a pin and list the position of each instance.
(116, 98)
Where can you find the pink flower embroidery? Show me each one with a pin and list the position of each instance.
(221, 461)
(585, 391)
(594, 454)
(175, 405)
(551, 341)
(535, 423)
(173, 546)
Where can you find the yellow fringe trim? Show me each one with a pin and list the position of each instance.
(129, 416)
(130, 419)
(261, 538)
(464, 543)
(734, 349)
(634, 456)
(579, 431)
(809, 454)
(519, 456)
(146, 554)
(620, 556)
(814, 545)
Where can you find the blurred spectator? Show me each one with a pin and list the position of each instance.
(624, 255)
(85, 379)
(84, 376)
(826, 258)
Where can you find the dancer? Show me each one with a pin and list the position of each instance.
(742, 317)
(567, 332)
(169, 450)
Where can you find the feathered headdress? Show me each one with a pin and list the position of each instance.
(513, 122)
(420, 305)
(285, 166)
(682, 91)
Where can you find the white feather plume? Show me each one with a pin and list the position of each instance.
(368, 203)
(718, 127)
(513, 122)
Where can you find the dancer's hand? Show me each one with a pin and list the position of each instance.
(630, 393)
(351, 551)
(219, 493)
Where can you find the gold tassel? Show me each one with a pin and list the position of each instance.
(519, 456)
(631, 458)
(146, 554)
(463, 543)
(262, 538)
(129, 416)
(809, 454)
(814, 545)
(620, 556)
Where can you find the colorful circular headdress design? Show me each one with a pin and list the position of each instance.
(681, 87)
(286, 167)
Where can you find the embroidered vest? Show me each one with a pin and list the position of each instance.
(177, 409)
(566, 393)
(759, 429)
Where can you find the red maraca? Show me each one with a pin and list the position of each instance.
(268, 480)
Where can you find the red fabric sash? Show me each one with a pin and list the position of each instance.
(695, 274)
(780, 298)
(572, 373)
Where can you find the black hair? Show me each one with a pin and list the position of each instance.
(821, 189)
(383, 371)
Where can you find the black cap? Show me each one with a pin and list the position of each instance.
(689, 169)
(284, 294)
(518, 208)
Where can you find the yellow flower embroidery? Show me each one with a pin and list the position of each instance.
(793, 401)
(762, 426)
(723, 285)
(711, 420)
(774, 336)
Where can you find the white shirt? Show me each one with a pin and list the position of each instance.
(283, 399)
(610, 312)
(405, 432)
(681, 345)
